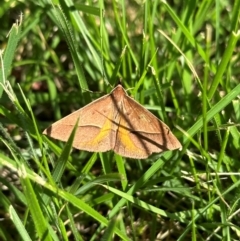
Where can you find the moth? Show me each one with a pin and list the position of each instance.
(116, 122)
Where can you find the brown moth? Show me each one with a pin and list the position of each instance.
(116, 122)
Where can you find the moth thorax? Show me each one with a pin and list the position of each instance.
(118, 97)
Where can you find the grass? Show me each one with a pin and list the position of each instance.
(178, 59)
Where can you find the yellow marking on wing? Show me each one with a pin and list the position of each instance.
(104, 131)
(125, 138)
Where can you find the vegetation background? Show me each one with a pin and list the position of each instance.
(180, 59)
